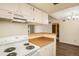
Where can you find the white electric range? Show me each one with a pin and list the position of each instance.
(17, 46)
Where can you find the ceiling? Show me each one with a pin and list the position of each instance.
(68, 13)
(51, 9)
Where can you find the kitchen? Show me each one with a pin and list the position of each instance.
(27, 29)
(14, 22)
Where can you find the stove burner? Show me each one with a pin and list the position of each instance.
(26, 44)
(12, 54)
(10, 49)
(30, 47)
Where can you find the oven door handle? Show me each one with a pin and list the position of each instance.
(34, 53)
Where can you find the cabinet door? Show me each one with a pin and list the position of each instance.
(27, 12)
(52, 49)
(9, 9)
(5, 14)
(12, 7)
(47, 50)
(40, 16)
(37, 15)
(44, 51)
(44, 19)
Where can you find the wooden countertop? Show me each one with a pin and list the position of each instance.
(36, 35)
(41, 41)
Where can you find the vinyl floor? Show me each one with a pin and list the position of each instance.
(66, 50)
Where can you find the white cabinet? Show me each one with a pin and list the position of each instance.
(5, 14)
(37, 15)
(6, 10)
(27, 11)
(44, 19)
(14, 7)
(47, 50)
(40, 16)
(18, 10)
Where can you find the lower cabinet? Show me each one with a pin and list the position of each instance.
(48, 50)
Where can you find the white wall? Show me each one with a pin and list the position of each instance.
(8, 28)
(43, 28)
(69, 32)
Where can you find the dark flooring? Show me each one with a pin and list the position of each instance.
(67, 50)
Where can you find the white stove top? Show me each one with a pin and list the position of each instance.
(18, 43)
(20, 48)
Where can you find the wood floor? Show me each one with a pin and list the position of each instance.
(66, 50)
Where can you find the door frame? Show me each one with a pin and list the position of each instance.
(57, 28)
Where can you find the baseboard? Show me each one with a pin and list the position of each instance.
(69, 44)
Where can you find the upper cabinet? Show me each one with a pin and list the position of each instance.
(44, 18)
(11, 9)
(5, 14)
(27, 11)
(22, 11)
(37, 15)
(6, 10)
(40, 16)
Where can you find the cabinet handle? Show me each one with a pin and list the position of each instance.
(19, 15)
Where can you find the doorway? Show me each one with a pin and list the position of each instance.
(31, 29)
(55, 29)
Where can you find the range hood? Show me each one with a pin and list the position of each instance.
(16, 19)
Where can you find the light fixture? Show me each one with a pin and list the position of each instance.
(73, 16)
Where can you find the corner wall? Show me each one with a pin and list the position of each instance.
(69, 32)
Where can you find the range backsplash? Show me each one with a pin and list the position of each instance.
(8, 28)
